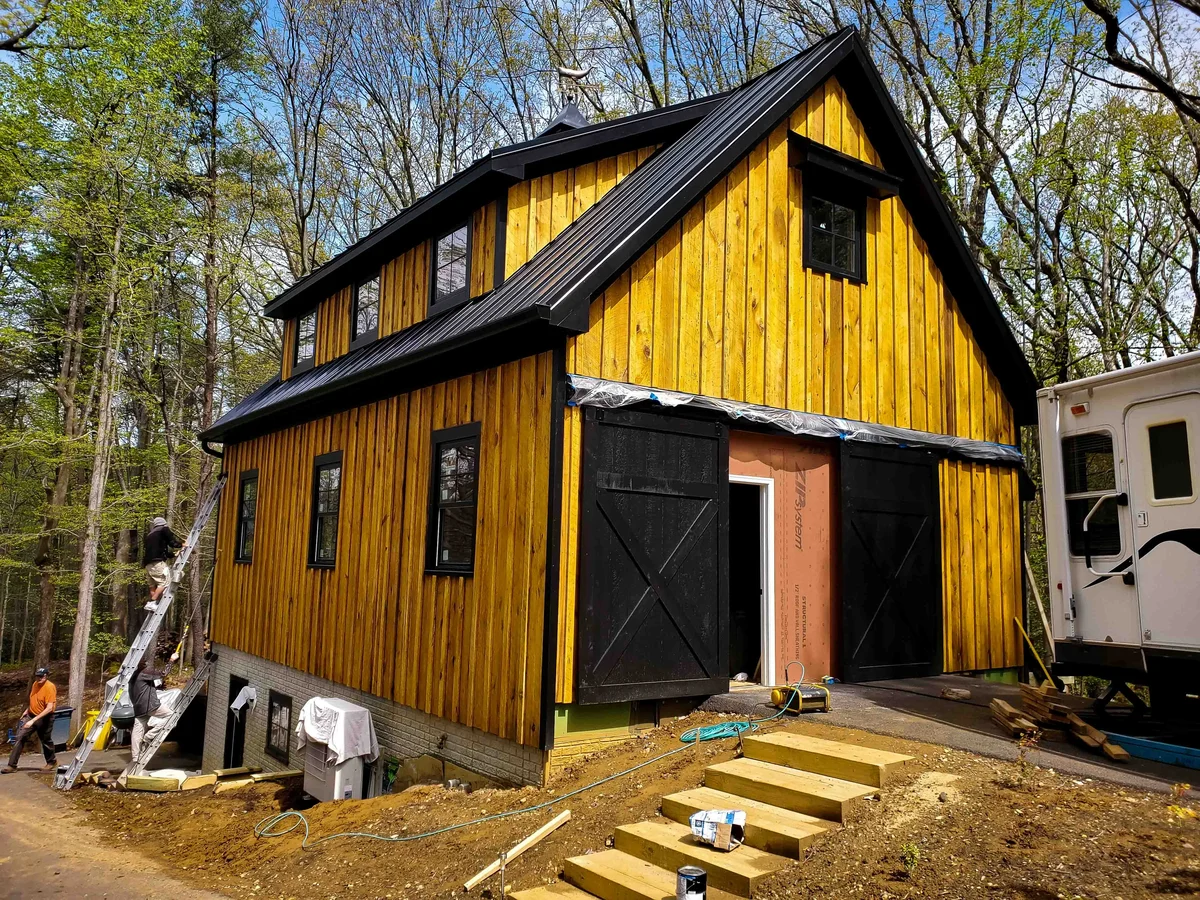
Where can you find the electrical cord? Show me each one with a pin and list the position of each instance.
(272, 826)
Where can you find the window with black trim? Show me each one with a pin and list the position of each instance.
(247, 513)
(306, 341)
(451, 268)
(1090, 471)
(279, 725)
(453, 495)
(835, 234)
(326, 500)
(364, 321)
(1170, 461)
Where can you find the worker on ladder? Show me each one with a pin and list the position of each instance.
(159, 548)
(143, 696)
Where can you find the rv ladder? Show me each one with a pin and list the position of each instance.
(66, 779)
(150, 747)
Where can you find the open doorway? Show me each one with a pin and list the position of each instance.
(235, 725)
(751, 589)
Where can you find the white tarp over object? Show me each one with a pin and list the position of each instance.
(587, 391)
(344, 727)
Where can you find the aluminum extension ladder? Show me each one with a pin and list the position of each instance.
(150, 747)
(65, 780)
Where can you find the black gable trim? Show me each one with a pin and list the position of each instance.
(878, 183)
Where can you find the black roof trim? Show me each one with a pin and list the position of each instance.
(805, 151)
(484, 178)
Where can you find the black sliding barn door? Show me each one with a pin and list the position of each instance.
(652, 619)
(891, 564)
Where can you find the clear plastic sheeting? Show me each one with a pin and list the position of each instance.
(586, 391)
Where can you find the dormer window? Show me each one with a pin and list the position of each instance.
(450, 269)
(306, 342)
(364, 314)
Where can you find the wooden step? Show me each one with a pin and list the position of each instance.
(614, 875)
(560, 890)
(850, 762)
(805, 792)
(768, 827)
(670, 845)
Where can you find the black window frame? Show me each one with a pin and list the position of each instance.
(456, 299)
(275, 698)
(1078, 502)
(239, 537)
(320, 463)
(371, 334)
(456, 435)
(298, 364)
(849, 196)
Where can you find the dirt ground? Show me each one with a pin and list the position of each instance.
(967, 826)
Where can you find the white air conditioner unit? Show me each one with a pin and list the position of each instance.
(327, 780)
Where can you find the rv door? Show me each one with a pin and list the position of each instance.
(1162, 437)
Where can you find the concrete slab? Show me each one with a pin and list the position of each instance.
(913, 709)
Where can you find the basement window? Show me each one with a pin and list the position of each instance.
(279, 726)
(453, 496)
(364, 316)
(247, 513)
(1090, 471)
(326, 500)
(306, 342)
(450, 269)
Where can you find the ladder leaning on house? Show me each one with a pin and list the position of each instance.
(66, 779)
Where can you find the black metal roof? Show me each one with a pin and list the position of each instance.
(551, 293)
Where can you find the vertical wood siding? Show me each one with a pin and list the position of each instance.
(981, 566)
(466, 649)
(722, 305)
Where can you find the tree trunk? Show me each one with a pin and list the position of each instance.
(123, 582)
(100, 465)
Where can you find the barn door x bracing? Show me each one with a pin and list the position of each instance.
(891, 565)
(653, 613)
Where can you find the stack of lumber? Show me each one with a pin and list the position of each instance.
(1044, 706)
(220, 780)
(1009, 720)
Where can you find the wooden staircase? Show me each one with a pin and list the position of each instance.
(792, 787)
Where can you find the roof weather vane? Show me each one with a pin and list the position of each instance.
(569, 87)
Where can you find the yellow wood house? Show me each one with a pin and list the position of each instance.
(619, 414)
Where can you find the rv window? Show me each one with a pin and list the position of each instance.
(1170, 463)
(1089, 472)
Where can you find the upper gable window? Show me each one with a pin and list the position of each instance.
(451, 268)
(306, 341)
(834, 235)
(364, 316)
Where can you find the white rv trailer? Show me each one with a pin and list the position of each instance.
(1121, 479)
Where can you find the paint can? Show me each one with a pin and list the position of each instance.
(691, 883)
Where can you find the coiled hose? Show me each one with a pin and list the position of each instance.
(273, 826)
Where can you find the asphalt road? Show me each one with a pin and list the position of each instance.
(47, 849)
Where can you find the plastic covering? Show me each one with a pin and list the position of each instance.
(586, 391)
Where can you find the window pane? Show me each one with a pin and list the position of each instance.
(843, 221)
(822, 214)
(1104, 532)
(843, 254)
(1170, 463)
(366, 308)
(456, 536)
(1088, 463)
(451, 267)
(248, 540)
(306, 336)
(327, 538)
(822, 247)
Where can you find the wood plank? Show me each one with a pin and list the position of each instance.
(712, 350)
(641, 320)
(734, 339)
(806, 792)
(885, 334)
(797, 321)
(560, 890)
(777, 256)
(768, 828)
(849, 762)
(756, 274)
(617, 301)
(613, 875)
(691, 300)
(670, 845)
(665, 341)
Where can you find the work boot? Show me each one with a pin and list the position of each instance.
(8, 770)
(151, 607)
(50, 767)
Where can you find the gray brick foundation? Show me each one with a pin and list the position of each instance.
(403, 732)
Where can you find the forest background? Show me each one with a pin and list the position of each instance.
(168, 166)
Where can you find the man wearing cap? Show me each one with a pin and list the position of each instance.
(38, 717)
(159, 547)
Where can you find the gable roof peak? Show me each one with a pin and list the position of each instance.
(570, 118)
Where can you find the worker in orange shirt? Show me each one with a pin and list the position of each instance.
(38, 717)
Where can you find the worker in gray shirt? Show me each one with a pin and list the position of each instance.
(143, 697)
